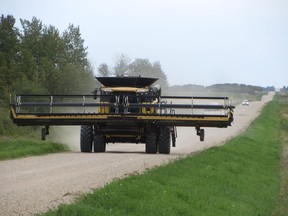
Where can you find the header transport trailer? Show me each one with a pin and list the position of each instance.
(124, 110)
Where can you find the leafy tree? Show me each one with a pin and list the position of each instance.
(158, 73)
(38, 59)
(76, 80)
(80, 71)
(89, 81)
(103, 70)
(9, 41)
(140, 67)
(121, 66)
(9, 47)
(53, 60)
(75, 50)
(31, 48)
(143, 67)
(50, 76)
(54, 46)
(38, 55)
(59, 63)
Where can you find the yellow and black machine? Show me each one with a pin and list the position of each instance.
(124, 110)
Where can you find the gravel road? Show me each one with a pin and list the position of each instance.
(35, 184)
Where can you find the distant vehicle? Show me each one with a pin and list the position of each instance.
(245, 103)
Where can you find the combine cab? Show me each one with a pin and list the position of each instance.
(124, 110)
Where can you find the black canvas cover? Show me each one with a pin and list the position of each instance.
(137, 82)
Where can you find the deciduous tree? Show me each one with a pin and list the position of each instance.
(121, 66)
(103, 70)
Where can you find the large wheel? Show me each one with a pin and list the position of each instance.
(99, 143)
(151, 143)
(164, 141)
(86, 138)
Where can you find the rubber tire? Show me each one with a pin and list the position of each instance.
(43, 134)
(202, 135)
(99, 143)
(86, 138)
(151, 143)
(164, 141)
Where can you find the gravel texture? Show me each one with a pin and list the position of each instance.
(35, 184)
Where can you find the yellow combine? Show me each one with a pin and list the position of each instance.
(124, 110)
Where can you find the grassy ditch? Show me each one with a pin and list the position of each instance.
(240, 178)
(11, 149)
(18, 142)
(283, 198)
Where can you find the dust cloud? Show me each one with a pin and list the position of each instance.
(68, 135)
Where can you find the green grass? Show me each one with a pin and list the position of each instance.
(9, 129)
(282, 209)
(11, 149)
(17, 142)
(239, 178)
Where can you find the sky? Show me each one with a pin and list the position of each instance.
(200, 42)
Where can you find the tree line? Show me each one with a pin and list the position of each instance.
(226, 87)
(38, 59)
(124, 66)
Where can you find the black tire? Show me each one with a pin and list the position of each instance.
(151, 143)
(86, 138)
(99, 143)
(202, 135)
(43, 134)
(164, 141)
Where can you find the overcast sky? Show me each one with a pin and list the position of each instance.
(196, 41)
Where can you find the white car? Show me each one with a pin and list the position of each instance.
(245, 103)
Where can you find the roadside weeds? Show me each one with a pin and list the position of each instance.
(239, 178)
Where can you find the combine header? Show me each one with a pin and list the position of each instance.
(124, 110)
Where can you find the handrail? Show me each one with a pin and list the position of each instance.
(50, 101)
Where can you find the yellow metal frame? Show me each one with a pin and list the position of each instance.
(122, 89)
(104, 109)
(139, 117)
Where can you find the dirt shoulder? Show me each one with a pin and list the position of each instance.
(35, 184)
